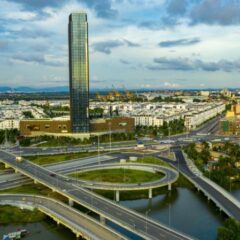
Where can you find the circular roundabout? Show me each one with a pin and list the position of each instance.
(167, 176)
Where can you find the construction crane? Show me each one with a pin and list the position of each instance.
(116, 94)
(99, 97)
(128, 94)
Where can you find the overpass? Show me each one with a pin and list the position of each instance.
(130, 220)
(225, 201)
(170, 176)
(8, 179)
(79, 223)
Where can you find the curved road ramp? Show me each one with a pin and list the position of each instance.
(79, 223)
(170, 176)
(130, 220)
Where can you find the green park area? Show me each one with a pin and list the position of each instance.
(48, 159)
(10, 215)
(118, 176)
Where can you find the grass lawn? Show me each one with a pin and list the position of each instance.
(11, 215)
(152, 160)
(35, 189)
(2, 167)
(119, 176)
(48, 159)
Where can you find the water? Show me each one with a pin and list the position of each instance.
(184, 210)
(236, 194)
(38, 231)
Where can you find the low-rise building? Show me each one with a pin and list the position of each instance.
(62, 126)
(9, 124)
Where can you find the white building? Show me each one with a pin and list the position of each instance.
(9, 124)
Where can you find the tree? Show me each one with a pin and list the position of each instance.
(230, 230)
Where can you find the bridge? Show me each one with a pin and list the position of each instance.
(130, 220)
(9, 179)
(225, 201)
(79, 223)
(170, 176)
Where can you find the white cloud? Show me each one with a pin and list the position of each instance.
(171, 85)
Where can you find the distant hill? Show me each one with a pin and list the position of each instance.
(65, 89)
(23, 89)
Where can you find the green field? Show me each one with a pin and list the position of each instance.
(119, 176)
(59, 157)
(152, 160)
(35, 189)
(2, 167)
(10, 215)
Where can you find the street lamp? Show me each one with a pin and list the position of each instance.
(169, 140)
(110, 135)
(146, 217)
(98, 150)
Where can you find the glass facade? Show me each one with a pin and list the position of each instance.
(78, 72)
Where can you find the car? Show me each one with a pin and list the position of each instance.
(52, 175)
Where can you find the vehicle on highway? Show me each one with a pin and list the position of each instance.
(19, 159)
(52, 175)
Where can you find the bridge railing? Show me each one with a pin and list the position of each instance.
(94, 208)
(213, 184)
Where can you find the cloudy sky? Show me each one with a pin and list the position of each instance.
(136, 43)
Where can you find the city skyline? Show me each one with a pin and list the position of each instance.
(158, 44)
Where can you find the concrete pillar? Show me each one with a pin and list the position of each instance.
(102, 219)
(169, 187)
(15, 170)
(70, 202)
(35, 181)
(117, 197)
(150, 193)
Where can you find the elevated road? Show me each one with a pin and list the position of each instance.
(80, 224)
(11, 180)
(225, 201)
(128, 219)
(170, 176)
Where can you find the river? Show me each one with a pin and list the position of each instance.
(185, 210)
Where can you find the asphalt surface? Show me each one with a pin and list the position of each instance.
(77, 221)
(122, 216)
(170, 176)
(11, 180)
(224, 202)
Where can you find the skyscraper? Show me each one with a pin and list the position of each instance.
(78, 72)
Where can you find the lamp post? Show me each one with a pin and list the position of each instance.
(110, 135)
(169, 140)
(146, 217)
(98, 151)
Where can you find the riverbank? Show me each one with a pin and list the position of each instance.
(10, 215)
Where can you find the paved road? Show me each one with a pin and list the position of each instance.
(122, 216)
(79, 223)
(11, 180)
(231, 208)
(170, 176)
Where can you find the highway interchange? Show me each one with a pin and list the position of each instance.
(128, 219)
(145, 228)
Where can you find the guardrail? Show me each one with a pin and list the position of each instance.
(99, 211)
(44, 204)
(132, 186)
(214, 185)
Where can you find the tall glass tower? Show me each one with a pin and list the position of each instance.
(78, 72)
